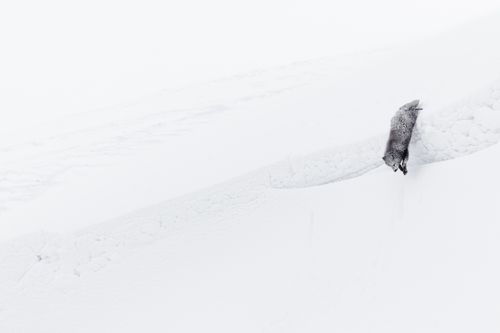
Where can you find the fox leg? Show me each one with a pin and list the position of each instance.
(403, 169)
(402, 166)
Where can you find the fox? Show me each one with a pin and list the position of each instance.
(396, 152)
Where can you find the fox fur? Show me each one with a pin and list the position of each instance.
(402, 124)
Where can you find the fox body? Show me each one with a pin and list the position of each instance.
(402, 124)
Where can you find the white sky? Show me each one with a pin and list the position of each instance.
(60, 57)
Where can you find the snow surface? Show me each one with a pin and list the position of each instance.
(239, 238)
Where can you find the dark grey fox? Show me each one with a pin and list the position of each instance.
(396, 152)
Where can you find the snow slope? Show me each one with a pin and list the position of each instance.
(265, 250)
(67, 173)
(376, 253)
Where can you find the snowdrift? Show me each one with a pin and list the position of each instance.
(375, 253)
(267, 250)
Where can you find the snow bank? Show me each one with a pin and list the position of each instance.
(460, 129)
(378, 253)
(64, 175)
(265, 250)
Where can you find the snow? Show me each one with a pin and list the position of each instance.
(373, 253)
(199, 209)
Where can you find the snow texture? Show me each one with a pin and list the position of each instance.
(265, 249)
(460, 129)
(42, 262)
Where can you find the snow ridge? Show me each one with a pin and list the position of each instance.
(29, 167)
(462, 128)
(42, 259)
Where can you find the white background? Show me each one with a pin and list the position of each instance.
(198, 210)
(61, 57)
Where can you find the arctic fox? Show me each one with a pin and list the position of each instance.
(396, 152)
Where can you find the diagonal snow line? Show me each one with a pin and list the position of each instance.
(328, 166)
(458, 130)
(29, 168)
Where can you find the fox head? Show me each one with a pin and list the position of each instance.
(392, 161)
